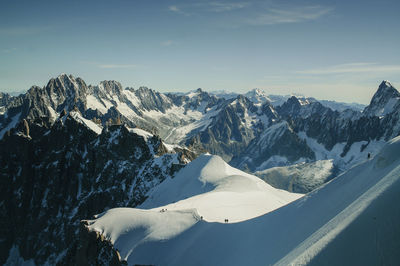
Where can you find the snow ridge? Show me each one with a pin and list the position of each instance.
(290, 235)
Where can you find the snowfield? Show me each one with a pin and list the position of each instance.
(217, 191)
(352, 219)
(300, 178)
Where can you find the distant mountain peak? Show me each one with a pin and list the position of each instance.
(65, 77)
(111, 87)
(385, 83)
(384, 100)
(64, 80)
(256, 91)
(293, 100)
(62, 75)
(385, 90)
(257, 96)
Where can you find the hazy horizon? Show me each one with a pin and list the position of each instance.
(213, 91)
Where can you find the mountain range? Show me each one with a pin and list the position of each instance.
(250, 131)
(69, 150)
(349, 221)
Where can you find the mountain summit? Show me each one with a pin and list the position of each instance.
(384, 101)
(70, 150)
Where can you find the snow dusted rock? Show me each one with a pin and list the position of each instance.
(353, 215)
(69, 170)
(385, 101)
(301, 177)
(277, 145)
(206, 190)
(237, 123)
(73, 157)
(232, 128)
(257, 96)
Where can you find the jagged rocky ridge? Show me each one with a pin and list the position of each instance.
(56, 174)
(252, 133)
(58, 171)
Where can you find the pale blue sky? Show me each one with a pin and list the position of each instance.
(337, 50)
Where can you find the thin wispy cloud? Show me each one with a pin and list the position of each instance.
(215, 7)
(289, 15)
(256, 14)
(352, 68)
(177, 10)
(174, 9)
(225, 6)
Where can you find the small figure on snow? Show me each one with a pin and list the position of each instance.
(369, 155)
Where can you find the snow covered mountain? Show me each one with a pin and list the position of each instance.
(55, 175)
(385, 101)
(353, 215)
(70, 150)
(259, 96)
(251, 133)
(206, 190)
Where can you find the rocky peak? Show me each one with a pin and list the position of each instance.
(257, 96)
(66, 82)
(386, 89)
(242, 99)
(5, 98)
(111, 87)
(269, 110)
(152, 100)
(201, 98)
(385, 100)
(293, 101)
(291, 107)
(65, 88)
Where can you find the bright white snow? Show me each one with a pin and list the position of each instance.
(352, 157)
(217, 191)
(88, 123)
(207, 189)
(146, 135)
(294, 234)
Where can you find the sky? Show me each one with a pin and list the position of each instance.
(336, 50)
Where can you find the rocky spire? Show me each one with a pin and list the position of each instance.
(384, 100)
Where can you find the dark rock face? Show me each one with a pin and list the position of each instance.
(5, 99)
(385, 94)
(234, 129)
(62, 174)
(56, 171)
(331, 127)
(94, 249)
(278, 140)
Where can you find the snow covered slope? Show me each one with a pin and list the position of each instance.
(299, 178)
(217, 192)
(341, 212)
(208, 190)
